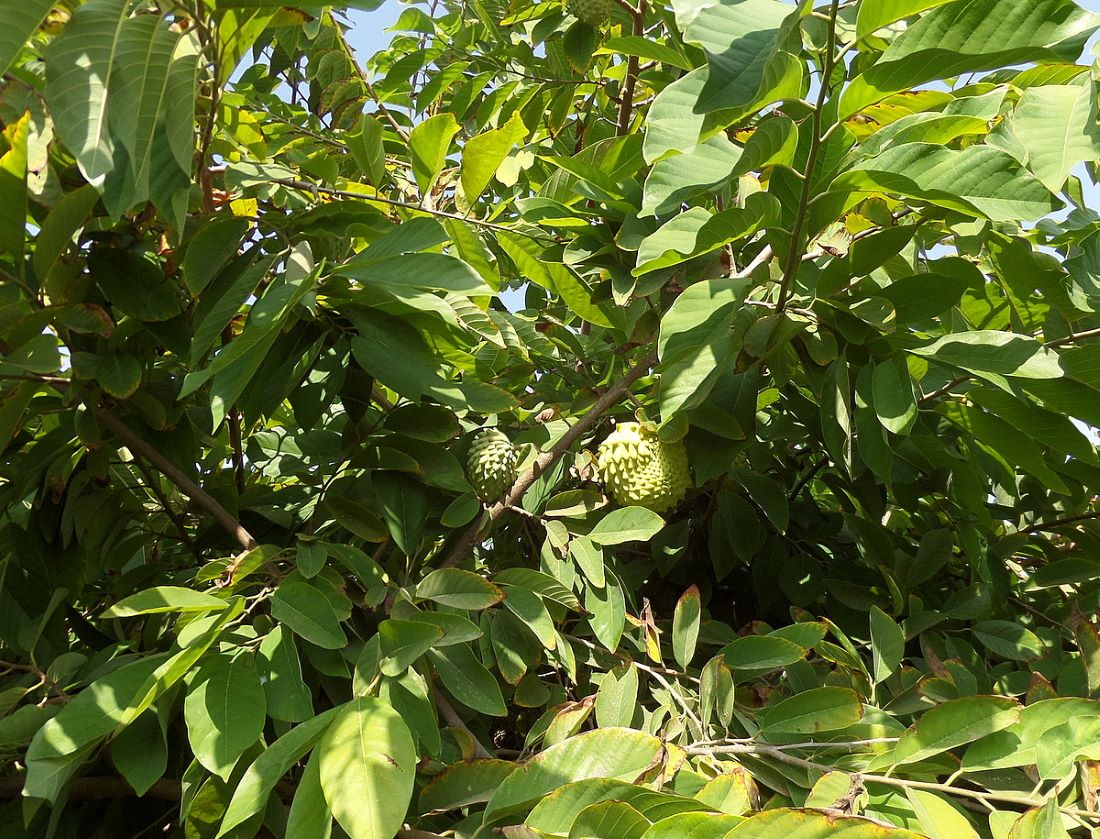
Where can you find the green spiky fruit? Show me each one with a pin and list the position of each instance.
(638, 469)
(593, 12)
(491, 464)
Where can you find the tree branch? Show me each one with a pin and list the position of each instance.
(100, 787)
(626, 103)
(452, 718)
(162, 499)
(779, 753)
(1056, 523)
(474, 533)
(345, 193)
(188, 487)
(794, 254)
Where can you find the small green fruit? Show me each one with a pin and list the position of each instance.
(593, 12)
(491, 464)
(638, 469)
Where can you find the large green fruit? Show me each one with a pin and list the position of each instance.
(638, 469)
(491, 464)
(593, 12)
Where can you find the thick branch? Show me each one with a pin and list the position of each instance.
(474, 533)
(188, 487)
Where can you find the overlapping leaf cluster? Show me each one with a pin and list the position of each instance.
(259, 294)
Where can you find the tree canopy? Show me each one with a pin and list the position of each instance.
(258, 296)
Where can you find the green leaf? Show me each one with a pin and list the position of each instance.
(1041, 823)
(875, 14)
(1056, 125)
(761, 652)
(617, 697)
(696, 342)
(645, 48)
(807, 824)
(1055, 430)
(532, 612)
(813, 711)
(887, 644)
(310, 816)
(617, 753)
(607, 612)
(675, 179)
(589, 559)
(738, 39)
(692, 826)
(626, 524)
(404, 503)
(483, 153)
(467, 679)
(164, 599)
(140, 752)
(136, 97)
(685, 626)
(609, 818)
(430, 271)
(60, 226)
(119, 374)
(403, 642)
(553, 276)
(365, 145)
(463, 784)
(225, 711)
(20, 23)
(978, 181)
(696, 231)
(938, 817)
(954, 724)
(429, 142)
(13, 187)
(134, 285)
(288, 696)
(894, 395)
(92, 713)
(458, 589)
(1014, 446)
(367, 765)
(209, 250)
(1009, 640)
(309, 613)
(958, 38)
(251, 794)
(987, 351)
(80, 66)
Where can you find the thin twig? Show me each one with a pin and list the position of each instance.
(806, 478)
(344, 193)
(625, 659)
(1056, 523)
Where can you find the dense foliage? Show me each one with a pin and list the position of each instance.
(259, 298)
